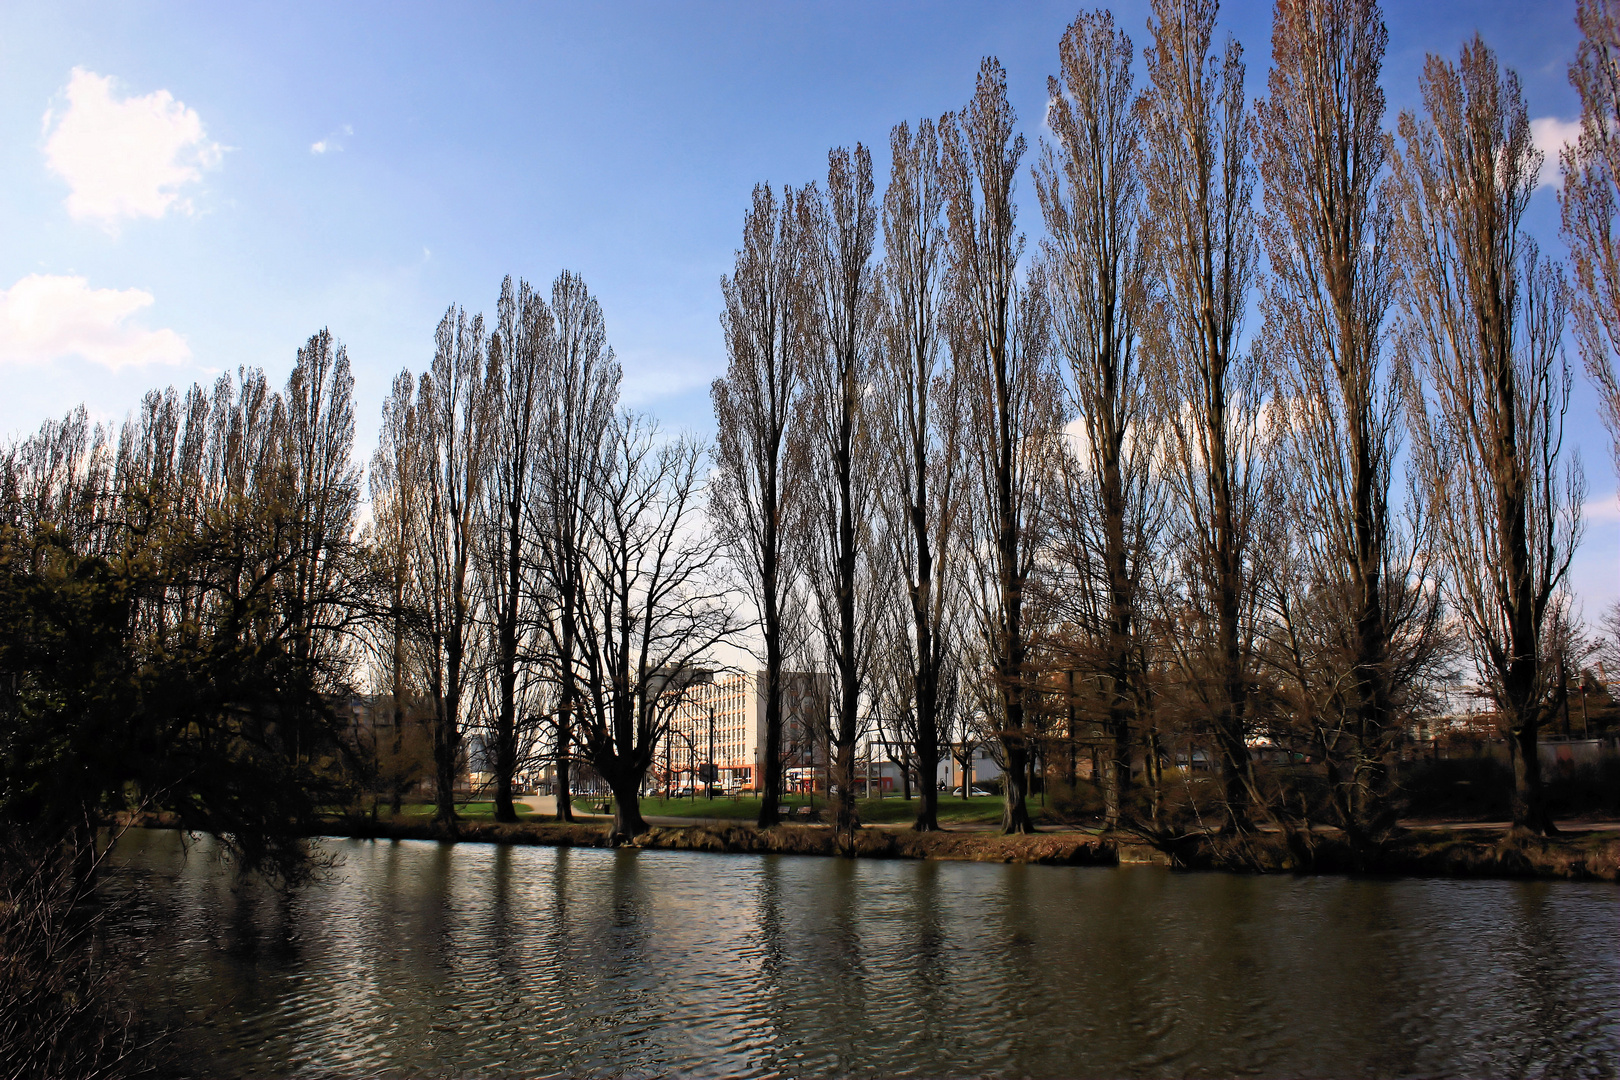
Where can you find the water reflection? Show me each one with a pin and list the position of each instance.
(425, 959)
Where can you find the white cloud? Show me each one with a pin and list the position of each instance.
(330, 143)
(1550, 135)
(650, 376)
(45, 317)
(125, 158)
(1602, 509)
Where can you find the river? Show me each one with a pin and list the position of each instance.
(416, 959)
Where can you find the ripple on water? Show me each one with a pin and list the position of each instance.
(419, 959)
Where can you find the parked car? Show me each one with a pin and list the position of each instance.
(977, 792)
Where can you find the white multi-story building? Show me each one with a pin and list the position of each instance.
(982, 765)
(730, 710)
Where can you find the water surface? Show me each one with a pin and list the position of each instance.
(420, 959)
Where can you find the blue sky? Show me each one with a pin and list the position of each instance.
(363, 166)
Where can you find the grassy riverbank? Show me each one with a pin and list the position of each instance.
(475, 811)
(1590, 855)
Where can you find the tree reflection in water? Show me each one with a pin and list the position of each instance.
(420, 958)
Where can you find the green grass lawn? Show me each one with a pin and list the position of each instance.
(720, 806)
(892, 810)
(474, 810)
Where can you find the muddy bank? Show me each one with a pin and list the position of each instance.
(1074, 849)
(1574, 856)
(1578, 856)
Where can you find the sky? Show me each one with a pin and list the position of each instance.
(193, 187)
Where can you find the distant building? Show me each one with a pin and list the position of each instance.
(879, 775)
(984, 766)
(732, 707)
(362, 719)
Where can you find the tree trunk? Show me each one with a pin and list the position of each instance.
(569, 691)
(844, 816)
(506, 745)
(396, 781)
(506, 720)
(1010, 636)
(1121, 604)
(1153, 766)
(1529, 798)
(565, 737)
(1015, 815)
(445, 751)
(770, 812)
(770, 762)
(627, 820)
(1230, 714)
(927, 782)
(447, 738)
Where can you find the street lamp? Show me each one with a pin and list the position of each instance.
(710, 779)
(691, 750)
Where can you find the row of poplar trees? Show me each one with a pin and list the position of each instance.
(999, 495)
(544, 576)
(997, 492)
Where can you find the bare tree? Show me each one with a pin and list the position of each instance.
(922, 431)
(1482, 322)
(652, 608)
(1090, 189)
(522, 348)
(766, 326)
(1589, 200)
(323, 588)
(579, 394)
(1607, 654)
(834, 433)
(1591, 170)
(456, 418)
(1356, 607)
(1199, 183)
(395, 471)
(1001, 348)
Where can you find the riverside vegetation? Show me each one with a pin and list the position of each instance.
(1059, 503)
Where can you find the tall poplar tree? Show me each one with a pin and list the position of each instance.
(1090, 189)
(578, 397)
(1200, 184)
(393, 479)
(456, 416)
(1482, 322)
(923, 434)
(765, 322)
(523, 345)
(1000, 338)
(836, 432)
(1590, 199)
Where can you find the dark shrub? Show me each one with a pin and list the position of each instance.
(1474, 788)
(1589, 789)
